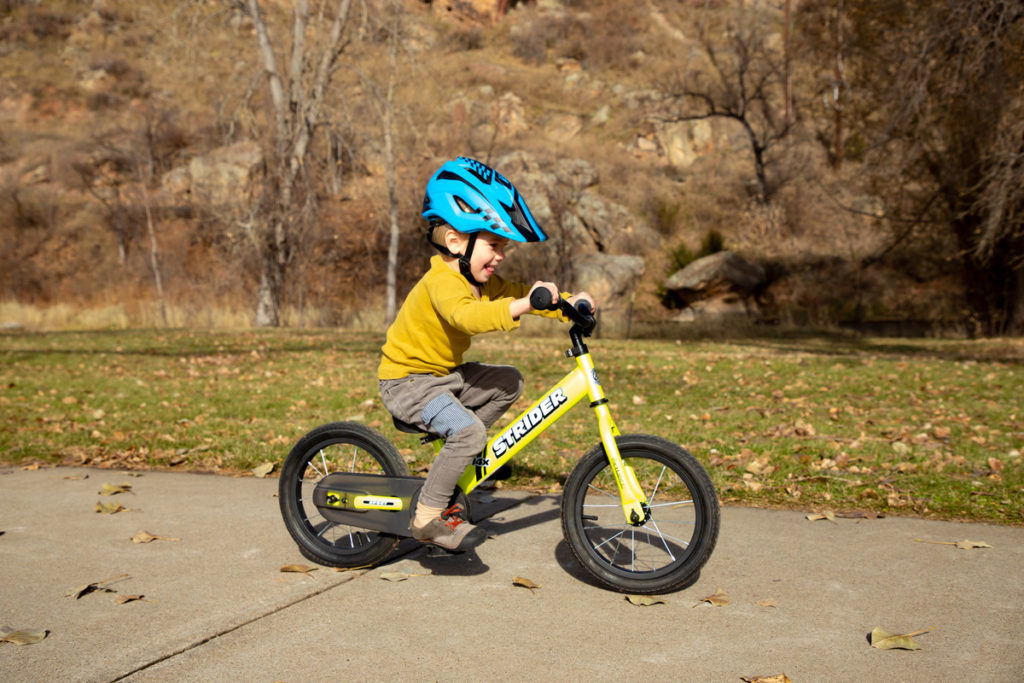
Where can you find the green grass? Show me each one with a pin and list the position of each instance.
(925, 427)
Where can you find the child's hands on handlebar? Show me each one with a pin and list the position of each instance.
(584, 297)
(528, 303)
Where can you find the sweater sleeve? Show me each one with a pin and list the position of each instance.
(498, 288)
(464, 312)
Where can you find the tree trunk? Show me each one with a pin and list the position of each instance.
(266, 300)
(993, 286)
(154, 254)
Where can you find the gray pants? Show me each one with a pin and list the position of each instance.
(459, 408)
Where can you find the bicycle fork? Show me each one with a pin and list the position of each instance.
(634, 502)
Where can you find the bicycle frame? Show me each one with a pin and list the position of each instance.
(548, 409)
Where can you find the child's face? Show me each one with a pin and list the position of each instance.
(488, 252)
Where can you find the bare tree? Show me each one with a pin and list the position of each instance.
(383, 104)
(939, 111)
(742, 81)
(285, 202)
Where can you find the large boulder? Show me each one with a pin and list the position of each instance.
(608, 277)
(219, 177)
(721, 285)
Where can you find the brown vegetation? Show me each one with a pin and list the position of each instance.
(695, 117)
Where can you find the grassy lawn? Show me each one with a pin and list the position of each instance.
(925, 427)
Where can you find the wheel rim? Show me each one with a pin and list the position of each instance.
(328, 458)
(659, 546)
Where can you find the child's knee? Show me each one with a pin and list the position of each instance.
(447, 417)
(515, 382)
(471, 438)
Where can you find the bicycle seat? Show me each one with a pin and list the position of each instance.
(406, 427)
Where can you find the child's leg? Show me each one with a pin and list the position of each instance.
(488, 390)
(431, 404)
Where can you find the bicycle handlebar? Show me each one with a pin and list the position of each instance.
(581, 313)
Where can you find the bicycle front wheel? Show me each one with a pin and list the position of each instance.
(335, 447)
(667, 550)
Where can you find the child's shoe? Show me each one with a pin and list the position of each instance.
(449, 531)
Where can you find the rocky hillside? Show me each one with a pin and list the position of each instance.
(131, 132)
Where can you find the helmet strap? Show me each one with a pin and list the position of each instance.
(463, 258)
(464, 261)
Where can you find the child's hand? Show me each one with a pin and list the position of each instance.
(550, 286)
(518, 307)
(584, 296)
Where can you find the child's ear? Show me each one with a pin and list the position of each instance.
(454, 241)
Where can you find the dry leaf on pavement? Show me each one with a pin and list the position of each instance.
(883, 640)
(828, 514)
(146, 537)
(718, 599)
(644, 600)
(961, 545)
(298, 568)
(395, 577)
(263, 470)
(21, 636)
(109, 508)
(525, 583)
(77, 593)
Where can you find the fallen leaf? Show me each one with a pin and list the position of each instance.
(767, 602)
(109, 508)
(525, 583)
(263, 470)
(299, 568)
(644, 600)
(860, 514)
(76, 593)
(883, 640)
(777, 678)
(114, 489)
(21, 637)
(146, 537)
(122, 599)
(718, 599)
(76, 477)
(638, 400)
(828, 514)
(962, 545)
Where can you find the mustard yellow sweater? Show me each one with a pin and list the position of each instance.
(440, 315)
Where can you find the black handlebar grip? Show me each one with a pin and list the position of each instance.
(584, 307)
(540, 299)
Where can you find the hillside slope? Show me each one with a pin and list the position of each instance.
(131, 131)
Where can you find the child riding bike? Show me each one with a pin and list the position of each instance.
(472, 213)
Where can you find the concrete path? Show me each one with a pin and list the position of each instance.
(216, 607)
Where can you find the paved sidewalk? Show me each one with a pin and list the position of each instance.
(217, 607)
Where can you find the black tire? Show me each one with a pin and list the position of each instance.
(335, 447)
(666, 552)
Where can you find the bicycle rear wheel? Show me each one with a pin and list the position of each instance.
(335, 447)
(665, 552)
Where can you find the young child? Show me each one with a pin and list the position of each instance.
(473, 212)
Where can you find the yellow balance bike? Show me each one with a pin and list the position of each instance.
(639, 512)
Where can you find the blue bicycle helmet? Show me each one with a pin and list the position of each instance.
(473, 197)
